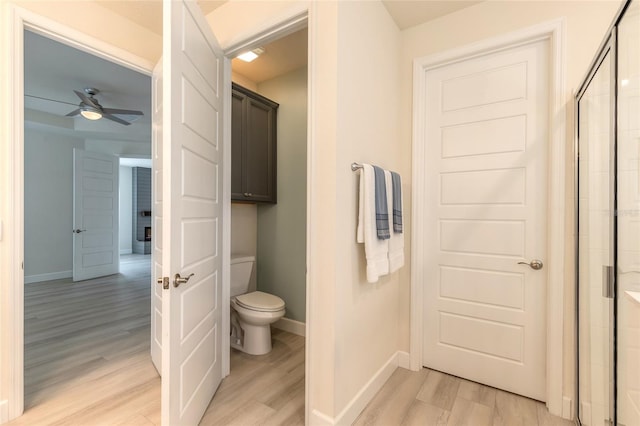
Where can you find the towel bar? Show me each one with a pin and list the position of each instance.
(355, 166)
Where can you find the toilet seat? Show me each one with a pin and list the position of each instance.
(260, 302)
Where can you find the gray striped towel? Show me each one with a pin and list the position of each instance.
(397, 202)
(382, 210)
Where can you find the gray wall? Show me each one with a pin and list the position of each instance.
(48, 205)
(282, 227)
(141, 202)
(48, 199)
(126, 210)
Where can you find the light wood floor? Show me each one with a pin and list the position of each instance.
(87, 350)
(87, 363)
(429, 397)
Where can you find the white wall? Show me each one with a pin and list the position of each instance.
(126, 210)
(244, 234)
(282, 227)
(367, 314)
(48, 205)
(244, 229)
(586, 24)
(244, 81)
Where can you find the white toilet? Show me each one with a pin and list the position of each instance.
(251, 313)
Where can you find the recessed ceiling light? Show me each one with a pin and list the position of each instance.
(624, 82)
(251, 55)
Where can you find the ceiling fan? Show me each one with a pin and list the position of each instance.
(91, 109)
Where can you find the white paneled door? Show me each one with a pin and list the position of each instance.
(485, 225)
(193, 68)
(95, 215)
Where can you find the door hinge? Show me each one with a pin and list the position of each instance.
(164, 281)
(608, 281)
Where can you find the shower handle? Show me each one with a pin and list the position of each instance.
(534, 264)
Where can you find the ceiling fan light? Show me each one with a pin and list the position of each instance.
(91, 114)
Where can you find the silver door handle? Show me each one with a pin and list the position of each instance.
(177, 280)
(534, 264)
(77, 231)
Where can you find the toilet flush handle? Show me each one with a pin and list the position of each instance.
(180, 280)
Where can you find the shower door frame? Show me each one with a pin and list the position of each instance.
(607, 48)
(608, 45)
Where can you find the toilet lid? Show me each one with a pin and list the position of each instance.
(259, 301)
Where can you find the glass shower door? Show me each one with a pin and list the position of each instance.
(628, 194)
(596, 254)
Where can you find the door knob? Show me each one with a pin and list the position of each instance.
(177, 280)
(534, 264)
(77, 231)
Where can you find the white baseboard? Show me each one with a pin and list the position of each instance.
(4, 411)
(316, 418)
(292, 326)
(353, 409)
(28, 279)
(404, 360)
(126, 251)
(567, 410)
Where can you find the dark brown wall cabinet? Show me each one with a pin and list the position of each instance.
(253, 146)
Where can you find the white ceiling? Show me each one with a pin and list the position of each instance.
(409, 13)
(405, 13)
(280, 57)
(53, 70)
(148, 13)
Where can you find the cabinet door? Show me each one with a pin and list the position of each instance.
(260, 154)
(237, 137)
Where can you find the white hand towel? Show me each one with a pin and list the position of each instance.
(396, 242)
(376, 250)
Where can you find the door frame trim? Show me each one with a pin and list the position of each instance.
(282, 23)
(554, 32)
(18, 20)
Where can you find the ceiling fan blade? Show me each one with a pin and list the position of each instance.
(121, 111)
(47, 99)
(114, 118)
(86, 100)
(73, 113)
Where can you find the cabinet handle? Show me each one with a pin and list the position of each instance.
(248, 194)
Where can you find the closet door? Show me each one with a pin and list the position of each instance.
(596, 252)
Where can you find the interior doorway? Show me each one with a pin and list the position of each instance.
(78, 332)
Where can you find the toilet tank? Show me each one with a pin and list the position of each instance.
(241, 267)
